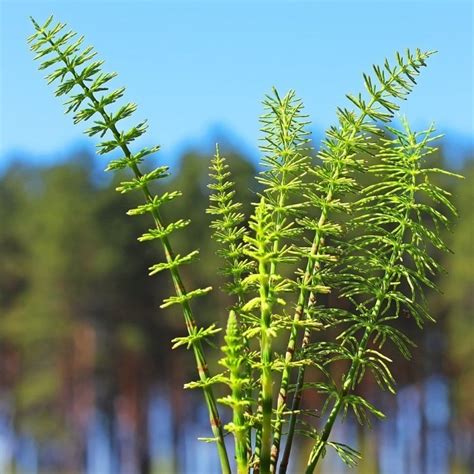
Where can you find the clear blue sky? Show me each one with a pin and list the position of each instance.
(195, 67)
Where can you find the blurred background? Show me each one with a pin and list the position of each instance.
(88, 381)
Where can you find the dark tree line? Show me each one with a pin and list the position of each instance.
(80, 324)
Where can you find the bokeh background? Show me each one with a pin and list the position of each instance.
(88, 381)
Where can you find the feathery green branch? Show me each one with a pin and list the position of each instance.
(228, 231)
(285, 161)
(82, 79)
(334, 179)
(235, 362)
(392, 229)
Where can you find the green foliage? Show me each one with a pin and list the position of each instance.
(235, 361)
(384, 270)
(228, 229)
(82, 79)
(314, 229)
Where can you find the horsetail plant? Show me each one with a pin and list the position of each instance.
(334, 179)
(235, 362)
(314, 230)
(89, 97)
(385, 267)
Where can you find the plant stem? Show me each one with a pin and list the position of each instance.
(258, 440)
(311, 266)
(351, 376)
(203, 371)
(266, 358)
(296, 400)
(304, 293)
(347, 385)
(236, 382)
(265, 438)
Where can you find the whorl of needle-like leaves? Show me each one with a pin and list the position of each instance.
(261, 248)
(388, 266)
(285, 148)
(344, 146)
(81, 79)
(237, 380)
(285, 162)
(354, 134)
(87, 86)
(229, 231)
(228, 228)
(398, 220)
(340, 154)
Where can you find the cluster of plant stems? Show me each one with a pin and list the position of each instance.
(315, 230)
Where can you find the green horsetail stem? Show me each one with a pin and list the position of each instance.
(45, 42)
(338, 157)
(237, 382)
(402, 206)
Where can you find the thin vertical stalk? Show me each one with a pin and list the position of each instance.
(203, 371)
(349, 381)
(266, 359)
(302, 303)
(295, 403)
(233, 361)
(351, 377)
(228, 233)
(264, 436)
(305, 295)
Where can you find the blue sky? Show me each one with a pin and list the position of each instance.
(199, 68)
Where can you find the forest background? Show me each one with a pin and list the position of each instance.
(88, 382)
